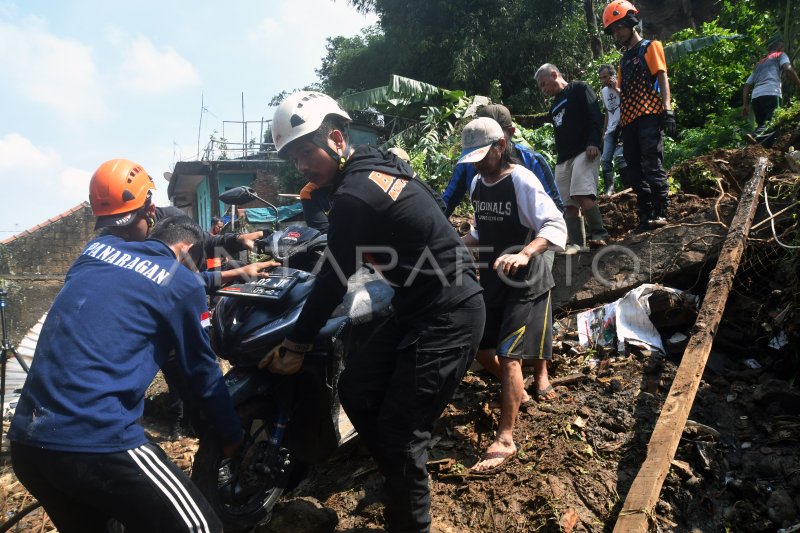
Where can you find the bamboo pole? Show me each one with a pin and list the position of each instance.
(638, 510)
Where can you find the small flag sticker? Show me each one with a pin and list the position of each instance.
(205, 320)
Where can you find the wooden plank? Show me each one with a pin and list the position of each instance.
(638, 510)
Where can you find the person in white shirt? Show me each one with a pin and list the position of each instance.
(612, 151)
(516, 221)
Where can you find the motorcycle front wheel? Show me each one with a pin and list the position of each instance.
(243, 489)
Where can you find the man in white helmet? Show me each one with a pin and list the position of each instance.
(398, 384)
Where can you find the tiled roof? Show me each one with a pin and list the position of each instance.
(47, 222)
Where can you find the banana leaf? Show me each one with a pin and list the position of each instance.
(400, 91)
(674, 52)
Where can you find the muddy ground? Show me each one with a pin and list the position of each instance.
(736, 468)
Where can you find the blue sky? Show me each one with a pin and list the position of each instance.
(86, 81)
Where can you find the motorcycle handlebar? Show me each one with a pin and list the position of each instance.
(263, 244)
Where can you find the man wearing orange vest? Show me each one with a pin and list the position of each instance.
(645, 110)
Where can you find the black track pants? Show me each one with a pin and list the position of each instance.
(141, 488)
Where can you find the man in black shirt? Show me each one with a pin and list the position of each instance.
(578, 129)
(397, 385)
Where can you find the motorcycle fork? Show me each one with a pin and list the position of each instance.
(286, 399)
(268, 460)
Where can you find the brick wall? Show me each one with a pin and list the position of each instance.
(33, 265)
(266, 186)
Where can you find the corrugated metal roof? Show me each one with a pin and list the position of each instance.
(15, 375)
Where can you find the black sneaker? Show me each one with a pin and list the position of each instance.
(643, 227)
(176, 432)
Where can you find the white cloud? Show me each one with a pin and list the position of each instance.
(42, 183)
(296, 22)
(146, 69)
(295, 32)
(263, 32)
(58, 73)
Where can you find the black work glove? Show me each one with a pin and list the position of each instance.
(668, 124)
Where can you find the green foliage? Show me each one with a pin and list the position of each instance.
(760, 20)
(694, 177)
(786, 116)
(612, 57)
(400, 91)
(677, 51)
(494, 48)
(496, 91)
(724, 130)
(478, 46)
(353, 63)
(218, 146)
(709, 81)
(289, 179)
(434, 144)
(541, 139)
(276, 100)
(753, 19)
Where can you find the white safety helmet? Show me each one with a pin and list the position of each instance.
(301, 114)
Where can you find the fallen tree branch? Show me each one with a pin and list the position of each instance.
(693, 225)
(782, 211)
(19, 516)
(684, 247)
(722, 195)
(624, 191)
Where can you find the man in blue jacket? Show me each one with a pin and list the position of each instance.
(533, 161)
(120, 193)
(76, 443)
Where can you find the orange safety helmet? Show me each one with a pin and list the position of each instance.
(119, 188)
(619, 10)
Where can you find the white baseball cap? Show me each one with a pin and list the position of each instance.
(478, 137)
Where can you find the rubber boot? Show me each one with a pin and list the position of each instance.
(597, 232)
(576, 233)
(624, 177)
(608, 183)
(645, 219)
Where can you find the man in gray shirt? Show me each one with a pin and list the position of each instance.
(765, 84)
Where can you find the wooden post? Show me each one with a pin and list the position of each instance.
(642, 497)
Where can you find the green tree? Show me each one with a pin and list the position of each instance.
(353, 63)
(473, 45)
(710, 81)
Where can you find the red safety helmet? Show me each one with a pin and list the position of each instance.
(118, 190)
(618, 10)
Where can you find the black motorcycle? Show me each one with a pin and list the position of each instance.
(288, 420)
